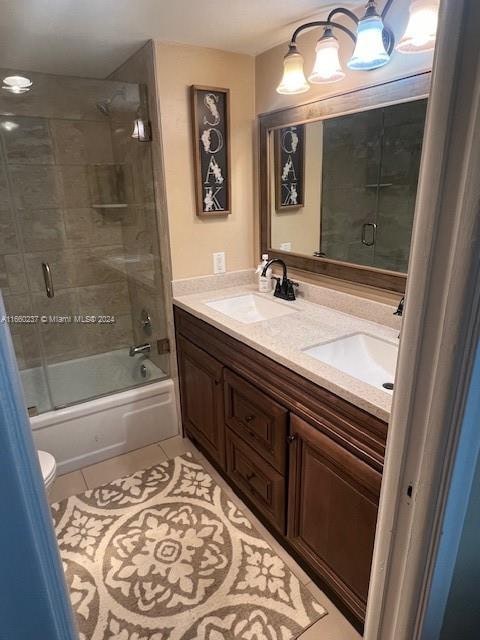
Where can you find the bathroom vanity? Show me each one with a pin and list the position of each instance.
(305, 459)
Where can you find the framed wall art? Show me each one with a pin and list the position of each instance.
(289, 167)
(211, 138)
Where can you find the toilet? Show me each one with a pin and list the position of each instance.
(48, 465)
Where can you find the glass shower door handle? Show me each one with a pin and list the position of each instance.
(369, 242)
(47, 277)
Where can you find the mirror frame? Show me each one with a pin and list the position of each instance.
(407, 89)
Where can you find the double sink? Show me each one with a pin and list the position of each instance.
(363, 356)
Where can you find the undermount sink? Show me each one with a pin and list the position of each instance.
(251, 308)
(365, 357)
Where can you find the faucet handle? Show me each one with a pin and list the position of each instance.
(401, 305)
(290, 290)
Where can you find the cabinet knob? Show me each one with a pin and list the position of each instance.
(292, 437)
(249, 418)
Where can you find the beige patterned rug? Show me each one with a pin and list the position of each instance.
(164, 554)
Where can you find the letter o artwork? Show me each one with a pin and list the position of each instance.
(211, 131)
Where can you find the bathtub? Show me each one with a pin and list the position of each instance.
(117, 422)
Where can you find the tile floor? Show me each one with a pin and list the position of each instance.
(334, 626)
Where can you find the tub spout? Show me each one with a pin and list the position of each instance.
(141, 348)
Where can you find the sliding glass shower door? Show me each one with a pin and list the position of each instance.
(80, 266)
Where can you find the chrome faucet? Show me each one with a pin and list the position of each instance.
(284, 288)
(141, 348)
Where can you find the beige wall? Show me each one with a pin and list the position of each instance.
(194, 239)
(268, 65)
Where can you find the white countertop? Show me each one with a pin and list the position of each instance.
(283, 339)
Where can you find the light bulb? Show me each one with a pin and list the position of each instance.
(327, 66)
(370, 52)
(293, 80)
(421, 30)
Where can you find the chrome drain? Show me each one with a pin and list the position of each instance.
(388, 385)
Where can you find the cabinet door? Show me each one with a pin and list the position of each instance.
(333, 503)
(201, 389)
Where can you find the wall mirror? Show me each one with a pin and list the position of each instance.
(338, 182)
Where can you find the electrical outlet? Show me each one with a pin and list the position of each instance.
(286, 246)
(219, 262)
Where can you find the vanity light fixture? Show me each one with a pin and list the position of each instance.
(373, 41)
(17, 84)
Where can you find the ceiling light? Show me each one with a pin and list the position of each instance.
(327, 66)
(17, 84)
(293, 80)
(8, 125)
(421, 30)
(370, 52)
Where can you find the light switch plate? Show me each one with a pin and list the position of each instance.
(219, 262)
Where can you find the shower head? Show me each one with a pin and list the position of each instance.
(104, 105)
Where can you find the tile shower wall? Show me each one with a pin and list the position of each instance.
(56, 162)
(379, 186)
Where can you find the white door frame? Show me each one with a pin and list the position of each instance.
(439, 339)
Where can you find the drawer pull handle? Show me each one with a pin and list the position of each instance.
(249, 418)
(291, 438)
(250, 476)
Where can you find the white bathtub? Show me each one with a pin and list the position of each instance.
(88, 432)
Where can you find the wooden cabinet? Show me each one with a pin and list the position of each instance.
(307, 462)
(332, 512)
(201, 388)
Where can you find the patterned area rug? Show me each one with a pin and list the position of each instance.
(164, 554)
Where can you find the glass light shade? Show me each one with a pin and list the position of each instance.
(327, 66)
(293, 80)
(421, 30)
(370, 52)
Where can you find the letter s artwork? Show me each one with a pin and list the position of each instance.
(211, 124)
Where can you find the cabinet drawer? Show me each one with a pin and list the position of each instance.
(260, 483)
(256, 418)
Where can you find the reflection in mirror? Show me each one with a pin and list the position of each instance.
(359, 182)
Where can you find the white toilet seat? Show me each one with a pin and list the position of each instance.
(49, 468)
